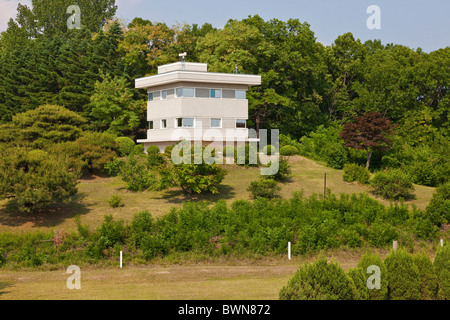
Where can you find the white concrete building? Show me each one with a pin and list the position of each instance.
(185, 101)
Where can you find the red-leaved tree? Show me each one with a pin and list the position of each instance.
(369, 132)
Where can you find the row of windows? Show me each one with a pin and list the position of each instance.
(190, 123)
(197, 93)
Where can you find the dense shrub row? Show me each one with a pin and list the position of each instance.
(402, 276)
(246, 228)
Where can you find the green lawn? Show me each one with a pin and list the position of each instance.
(91, 202)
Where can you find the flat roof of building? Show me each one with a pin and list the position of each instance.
(194, 72)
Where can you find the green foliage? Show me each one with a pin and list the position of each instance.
(113, 106)
(36, 180)
(264, 188)
(138, 149)
(153, 149)
(325, 145)
(134, 170)
(168, 151)
(403, 276)
(364, 263)
(126, 146)
(442, 268)
(392, 184)
(439, 207)
(429, 284)
(115, 201)
(111, 232)
(247, 155)
(319, 281)
(269, 149)
(358, 276)
(89, 153)
(354, 172)
(43, 126)
(288, 150)
(284, 170)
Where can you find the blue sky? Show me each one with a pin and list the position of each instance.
(424, 24)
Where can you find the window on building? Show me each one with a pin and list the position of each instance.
(228, 94)
(201, 93)
(150, 96)
(215, 93)
(216, 123)
(185, 92)
(240, 123)
(164, 94)
(241, 94)
(163, 123)
(185, 122)
(150, 125)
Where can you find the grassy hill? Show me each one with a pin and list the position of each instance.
(91, 202)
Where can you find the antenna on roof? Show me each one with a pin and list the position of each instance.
(183, 59)
(236, 70)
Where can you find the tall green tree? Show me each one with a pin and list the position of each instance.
(113, 107)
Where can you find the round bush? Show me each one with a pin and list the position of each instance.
(168, 150)
(153, 149)
(115, 201)
(126, 146)
(269, 149)
(392, 184)
(354, 172)
(289, 151)
(403, 276)
(264, 188)
(138, 149)
(319, 281)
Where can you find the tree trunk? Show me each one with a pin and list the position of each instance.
(369, 156)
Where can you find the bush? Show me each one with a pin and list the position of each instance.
(138, 149)
(392, 184)
(111, 232)
(335, 155)
(153, 150)
(439, 207)
(288, 151)
(269, 149)
(403, 276)
(36, 182)
(319, 281)
(429, 284)
(134, 171)
(358, 277)
(155, 159)
(115, 201)
(126, 146)
(264, 188)
(91, 152)
(354, 172)
(442, 268)
(2, 258)
(284, 170)
(366, 261)
(168, 150)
